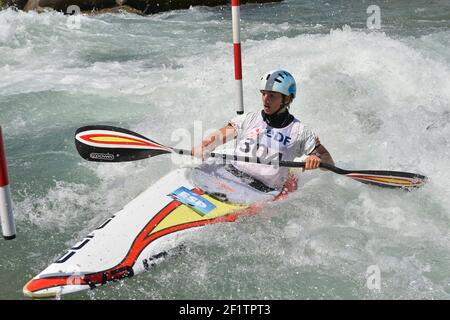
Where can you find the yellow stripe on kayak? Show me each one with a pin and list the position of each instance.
(183, 214)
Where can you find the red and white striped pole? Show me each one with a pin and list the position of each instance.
(6, 215)
(236, 19)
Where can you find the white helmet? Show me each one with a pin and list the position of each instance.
(279, 81)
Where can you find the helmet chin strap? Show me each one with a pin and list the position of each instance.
(279, 119)
(283, 108)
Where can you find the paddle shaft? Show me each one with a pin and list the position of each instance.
(382, 178)
(111, 144)
(281, 163)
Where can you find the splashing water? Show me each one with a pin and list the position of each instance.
(377, 99)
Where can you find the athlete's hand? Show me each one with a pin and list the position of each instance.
(312, 162)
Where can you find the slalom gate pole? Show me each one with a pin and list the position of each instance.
(6, 214)
(236, 20)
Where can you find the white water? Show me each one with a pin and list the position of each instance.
(378, 100)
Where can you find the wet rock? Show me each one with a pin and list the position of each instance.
(62, 5)
(19, 4)
(155, 6)
(136, 6)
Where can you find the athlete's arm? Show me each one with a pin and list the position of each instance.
(318, 155)
(214, 140)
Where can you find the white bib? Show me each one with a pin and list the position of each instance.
(255, 138)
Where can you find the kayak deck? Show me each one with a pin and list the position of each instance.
(123, 245)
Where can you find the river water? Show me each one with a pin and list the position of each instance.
(377, 95)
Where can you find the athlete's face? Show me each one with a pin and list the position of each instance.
(272, 101)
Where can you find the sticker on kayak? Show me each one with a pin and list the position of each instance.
(193, 200)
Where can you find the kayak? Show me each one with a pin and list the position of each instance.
(154, 223)
(133, 239)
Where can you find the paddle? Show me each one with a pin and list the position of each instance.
(103, 143)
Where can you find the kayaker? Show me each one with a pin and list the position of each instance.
(272, 133)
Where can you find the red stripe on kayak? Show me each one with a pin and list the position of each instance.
(141, 241)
